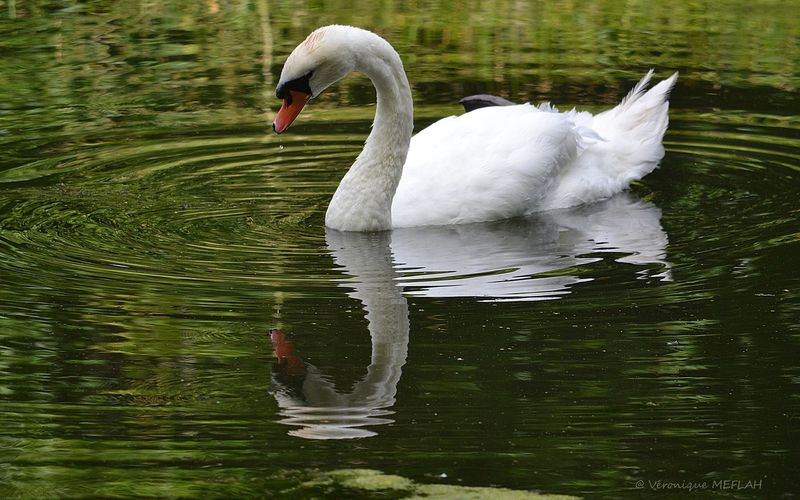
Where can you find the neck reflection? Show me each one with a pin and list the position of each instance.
(310, 400)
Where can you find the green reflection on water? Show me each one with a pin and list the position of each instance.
(152, 232)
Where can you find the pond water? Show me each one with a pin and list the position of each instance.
(159, 245)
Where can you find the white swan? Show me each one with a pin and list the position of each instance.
(489, 164)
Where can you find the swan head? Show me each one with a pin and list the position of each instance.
(323, 58)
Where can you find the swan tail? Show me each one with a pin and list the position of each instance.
(634, 129)
(617, 146)
(644, 109)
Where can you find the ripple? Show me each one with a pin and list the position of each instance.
(237, 206)
(162, 214)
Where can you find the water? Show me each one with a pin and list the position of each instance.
(159, 244)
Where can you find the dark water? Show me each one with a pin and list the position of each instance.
(158, 243)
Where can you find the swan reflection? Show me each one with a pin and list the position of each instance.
(506, 260)
(493, 261)
(310, 400)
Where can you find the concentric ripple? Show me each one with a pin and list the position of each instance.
(240, 206)
(168, 212)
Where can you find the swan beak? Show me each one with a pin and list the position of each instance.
(292, 106)
(288, 362)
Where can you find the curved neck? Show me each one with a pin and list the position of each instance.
(363, 200)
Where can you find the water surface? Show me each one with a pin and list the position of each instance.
(159, 245)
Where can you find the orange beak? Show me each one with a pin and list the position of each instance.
(290, 364)
(292, 106)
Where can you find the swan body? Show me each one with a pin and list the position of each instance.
(489, 164)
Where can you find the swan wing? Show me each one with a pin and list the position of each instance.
(492, 163)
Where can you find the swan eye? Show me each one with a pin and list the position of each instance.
(298, 84)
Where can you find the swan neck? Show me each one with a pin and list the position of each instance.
(363, 201)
